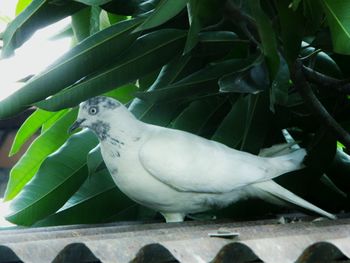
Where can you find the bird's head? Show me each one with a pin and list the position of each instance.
(98, 114)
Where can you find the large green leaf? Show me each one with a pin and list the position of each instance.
(291, 22)
(85, 58)
(218, 36)
(96, 200)
(267, 36)
(201, 13)
(86, 22)
(45, 144)
(32, 124)
(322, 62)
(118, 8)
(124, 94)
(280, 86)
(94, 160)
(164, 11)
(196, 81)
(232, 128)
(337, 13)
(258, 122)
(148, 53)
(197, 115)
(60, 175)
(251, 80)
(38, 14)
(51, 121)
(161, 114)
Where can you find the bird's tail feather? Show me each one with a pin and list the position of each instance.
(278, 191)
(289, 162)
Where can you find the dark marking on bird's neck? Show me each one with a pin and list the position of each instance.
(101, 129)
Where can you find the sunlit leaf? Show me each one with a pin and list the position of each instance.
(38, 14)
(32, 124)
(41, 147)
(61, 174)
(148, 53)
(87, 57)
(21, 5)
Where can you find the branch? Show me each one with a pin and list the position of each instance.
(244, 21)
(316, 106)
(325, 81)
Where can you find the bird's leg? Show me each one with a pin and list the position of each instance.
(173, 217)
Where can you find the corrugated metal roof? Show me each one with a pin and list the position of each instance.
(268, 241)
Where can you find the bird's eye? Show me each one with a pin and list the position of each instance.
(93, 110)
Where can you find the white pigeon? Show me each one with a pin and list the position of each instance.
(176, 172)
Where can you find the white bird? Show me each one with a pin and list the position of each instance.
(176, 172)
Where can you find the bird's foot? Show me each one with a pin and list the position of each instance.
(173, 217)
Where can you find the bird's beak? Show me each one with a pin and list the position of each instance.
(75, 125)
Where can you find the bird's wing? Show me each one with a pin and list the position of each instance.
(188, 162)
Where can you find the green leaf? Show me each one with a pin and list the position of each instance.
(93, 2)
(86, 22)
(164, 11)
(161, 114)
(148, 53)
(50, 122)
(32, 124)
(197, 115)
(94, 159)
(258, 123)
(196, 80)
(267, 36)
(201, 13)
(87, 57)
(98, 194)
(280, 86)
(292, 29)
(124, 94)
(38, 14)
(117, 9)
(295, 4)
(218, 36)
(314, 13)
(21, 5)
(232, 128)
(42, 146)
(339, 23)
(60, 175)
(252, 80)
(322, 62)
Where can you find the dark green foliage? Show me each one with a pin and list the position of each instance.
(225, 70)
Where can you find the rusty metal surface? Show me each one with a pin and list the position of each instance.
(267, 241)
